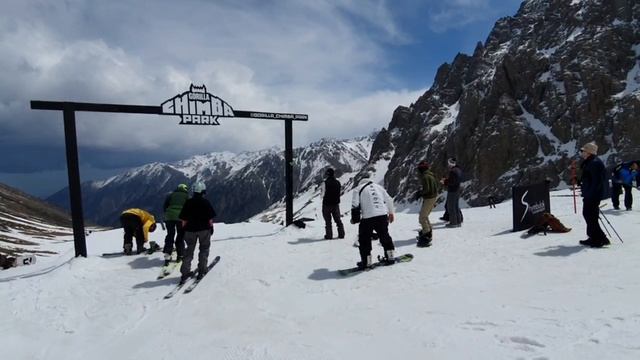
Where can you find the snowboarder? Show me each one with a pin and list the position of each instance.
(197, 221)
(138, 223)
(622, 177)
(452, 182)
(593, 185)
(172, 206)
(429, 195)
(372, 208)
(331, 204)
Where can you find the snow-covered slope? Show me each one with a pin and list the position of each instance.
(480, 292)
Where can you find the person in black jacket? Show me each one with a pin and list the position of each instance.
(331, 204)
(197, 221)
(452, 182)
(593, 185)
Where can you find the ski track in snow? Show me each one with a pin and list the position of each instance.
(479, 292)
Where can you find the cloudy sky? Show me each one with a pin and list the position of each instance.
(347, 64)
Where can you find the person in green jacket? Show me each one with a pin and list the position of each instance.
(172, 206)
(429, 195)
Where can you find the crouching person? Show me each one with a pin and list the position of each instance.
(373, 208)
(136, 223)
(197, 221)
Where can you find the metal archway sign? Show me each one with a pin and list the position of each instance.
(194, 107)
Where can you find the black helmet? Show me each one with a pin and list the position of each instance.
(330, 172)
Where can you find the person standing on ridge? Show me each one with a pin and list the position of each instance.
(593, 186)
(429, 195)
(197, 221)
(622, 178)
(138, 223)
(372, 207)
(452, 182)
(173, 204)
(331, 204)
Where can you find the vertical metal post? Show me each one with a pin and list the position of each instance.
(288, 159)
(73, 171)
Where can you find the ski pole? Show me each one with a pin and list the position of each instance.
(573, 185)
(603, 226)
(611, 226)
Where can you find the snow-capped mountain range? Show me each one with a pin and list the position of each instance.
(554, 76)
(239, 185)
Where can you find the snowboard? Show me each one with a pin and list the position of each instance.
(153, 247)
(354, 270)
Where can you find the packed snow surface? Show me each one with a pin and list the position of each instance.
(480, 292)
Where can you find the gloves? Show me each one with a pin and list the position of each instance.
(417, 195)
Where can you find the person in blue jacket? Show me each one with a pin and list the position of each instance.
(622, 178)
(594, 187)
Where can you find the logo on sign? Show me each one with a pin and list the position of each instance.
(534, 209)
(197, 107)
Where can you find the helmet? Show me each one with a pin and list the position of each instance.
(183, 187)
(423, 165)
(330, 172)
(199, 187)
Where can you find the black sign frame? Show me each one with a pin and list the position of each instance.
(71, 143)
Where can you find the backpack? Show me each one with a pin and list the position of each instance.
(356, 211)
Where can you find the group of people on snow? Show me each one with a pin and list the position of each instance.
(373, 210)
(189, 222)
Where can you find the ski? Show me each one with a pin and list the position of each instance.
(168, 269)
(191, 286)
(197, 281)
(355, 270)
(153, 247)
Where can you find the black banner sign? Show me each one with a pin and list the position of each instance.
(529, 202)
(198, 107)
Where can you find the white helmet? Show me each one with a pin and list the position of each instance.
(199, 187)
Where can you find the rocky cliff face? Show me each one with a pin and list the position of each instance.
(556, 75)
(238, 185)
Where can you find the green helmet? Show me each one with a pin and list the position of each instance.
(183, 187)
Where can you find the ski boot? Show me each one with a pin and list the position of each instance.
(128, 249)
(167, 259)
(388, 259)
(365, 263)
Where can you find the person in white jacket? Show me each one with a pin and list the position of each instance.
(373, 208)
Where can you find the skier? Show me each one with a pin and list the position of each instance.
(452, 182)
(197, 221)
(622, 177)
(172, 206)
(372, 208)
(138, 223)
(429, 195)
(593, 183)
(331, 204)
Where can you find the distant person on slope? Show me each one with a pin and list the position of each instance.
(372, 207)
(452, 182)
(593, 183)
(138, 223)
(331, 204)
(429, 195)
(197, 221)
(173, 204)
(622, 178)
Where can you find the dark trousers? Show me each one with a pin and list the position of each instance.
(365, 232)
(617, 191)
(329, 211)
(453, 208)
(174, 227)
(132, 226)
(591, 212)
(191, 239)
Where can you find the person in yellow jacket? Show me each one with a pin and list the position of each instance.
(138, 223)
